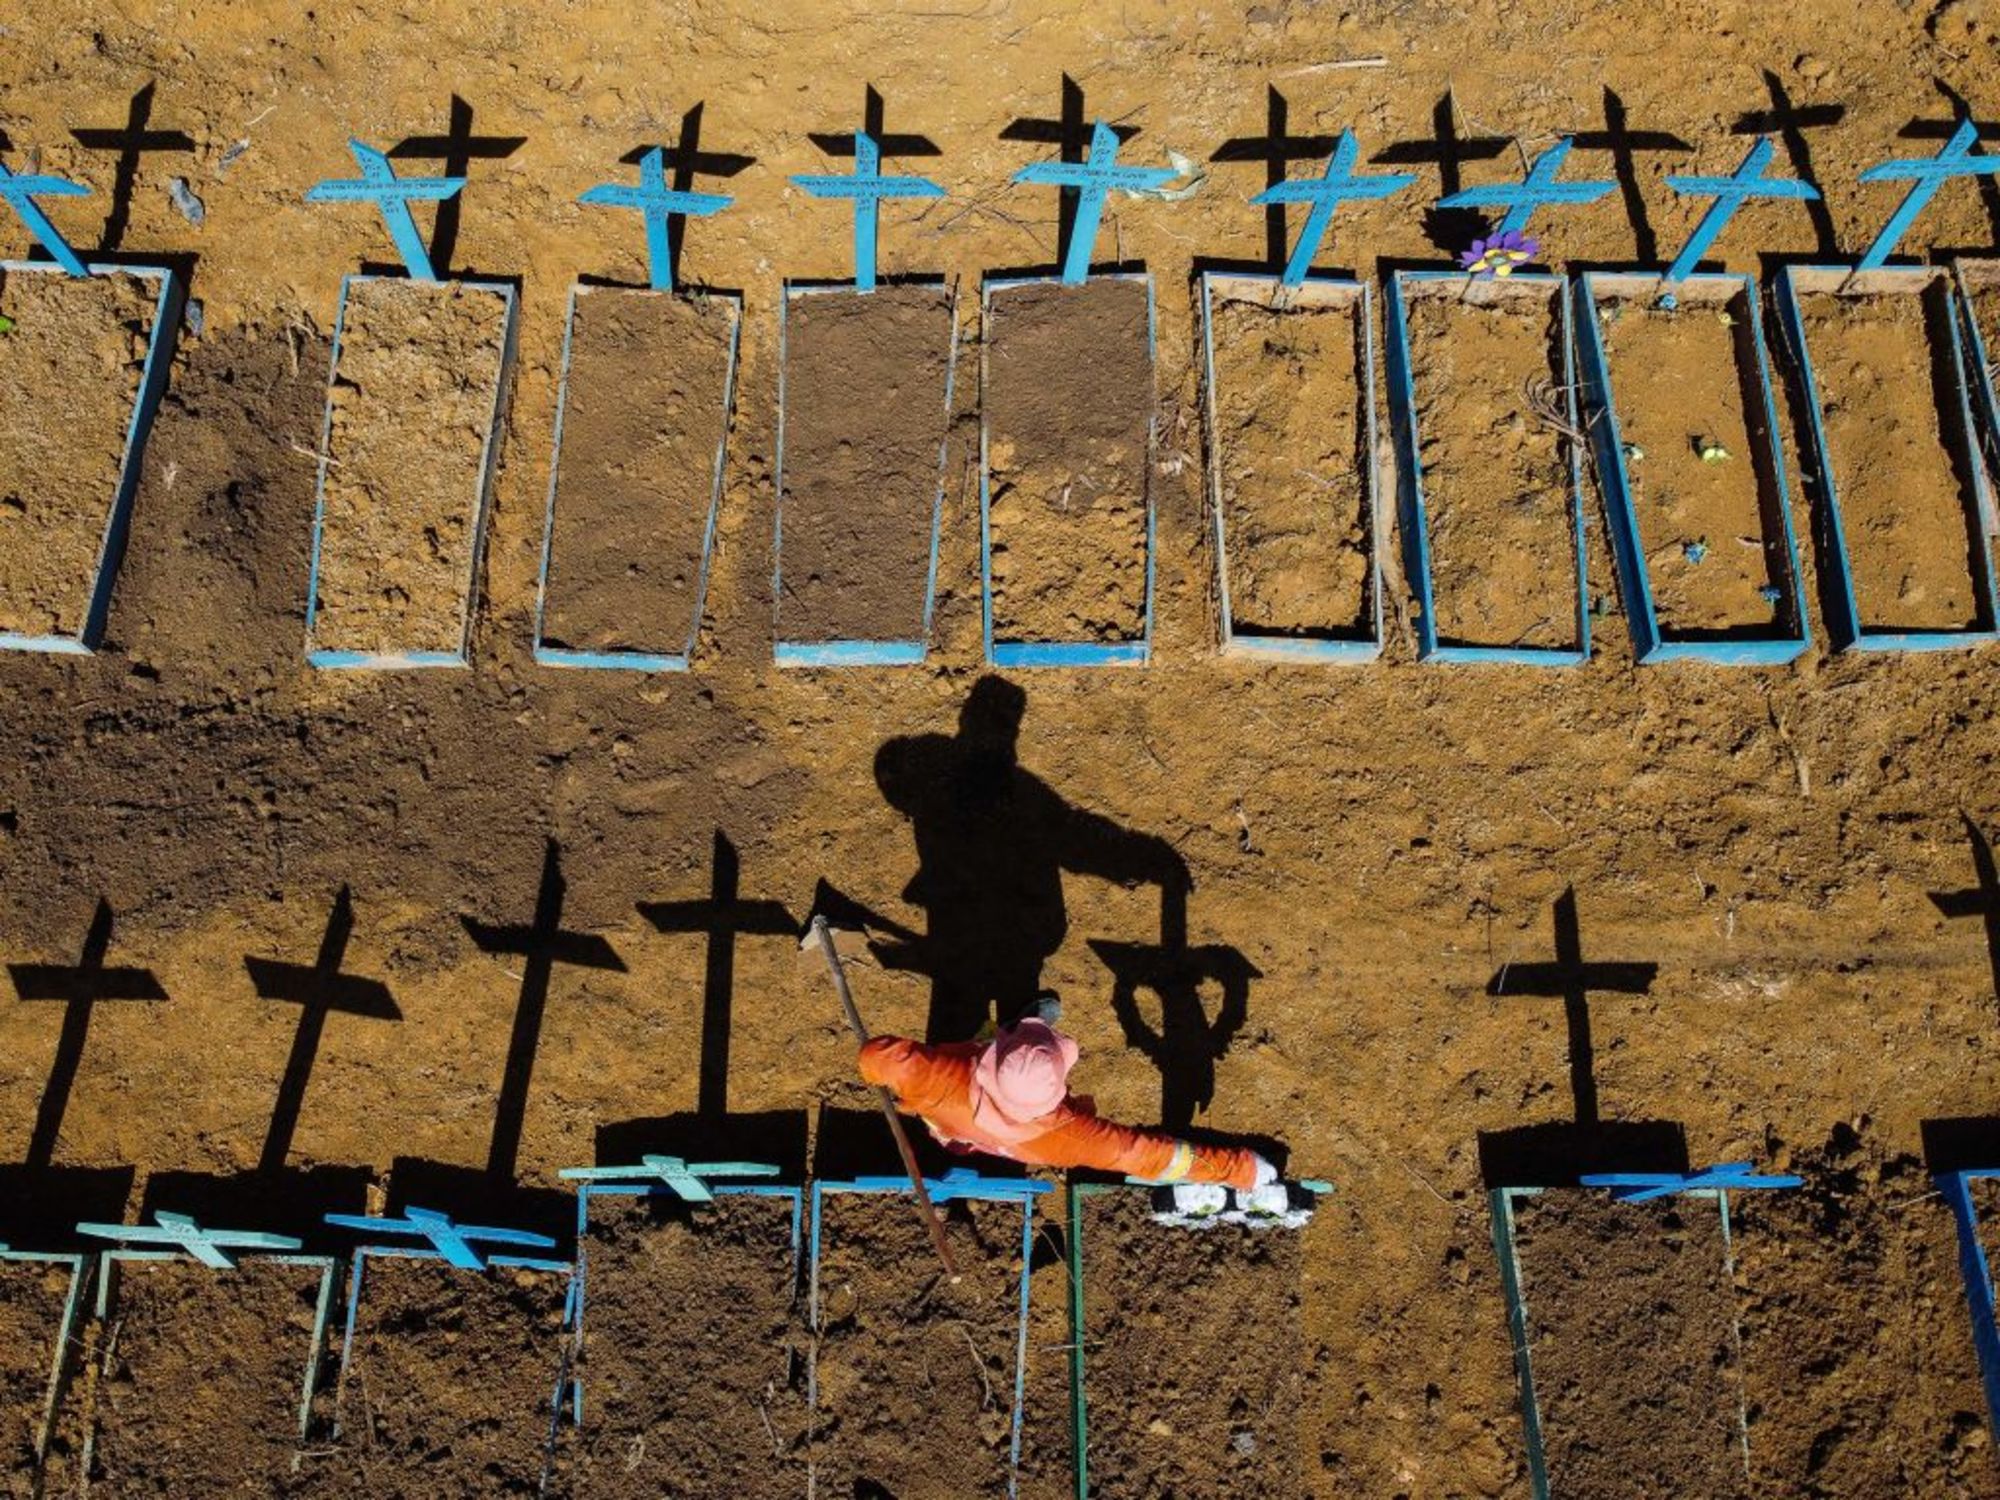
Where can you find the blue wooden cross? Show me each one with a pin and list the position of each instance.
(1730, 193)
(962, 1182)
(658, 203)
(1092, 179)
(867, 187)
(179, 1232)
(1959, 157)
(1337, 184)
(452, 1242)
(378, 184)
(678, 1176)
(1641, 1187)
(20, 194)
(1538, 187)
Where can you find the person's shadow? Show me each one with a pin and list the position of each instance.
(993, 842)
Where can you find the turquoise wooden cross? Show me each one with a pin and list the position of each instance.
(453, 1243)
(657, 203)
(1521, 199)
(171, 1232)
(1730, 193)
(379, 185)
(1642, 1187)
(1959, 157)
(1092, 180)
(867, 187)
(1326, 193)
(20, 194)
(687, 1179)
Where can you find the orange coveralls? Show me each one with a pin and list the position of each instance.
(935, 1082)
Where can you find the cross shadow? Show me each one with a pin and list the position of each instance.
(79, 988)
(40, 1206)
(993, 844)
(1069, 133)
(1277, 148)
(1622, 143)
(286, 1200)
(1557, 1154)
(1790, 122)
(684, 162)
(1982, 900)
(1449, 229)
(842, 143)
(457, 149)
(1941, 130)
(132, 142)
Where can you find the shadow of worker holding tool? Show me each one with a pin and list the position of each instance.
(993, 843)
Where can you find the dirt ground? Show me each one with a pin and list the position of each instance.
(1375, 842)
(32, 1298)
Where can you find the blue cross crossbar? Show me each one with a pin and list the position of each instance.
(379, 184)
(1093, 180)
(1538, 187)
(681, 1177)
(867, 187)
(1642, 1187)
(1326, 193)
(1959, 157)
(658, 203)
(1730, 193)
(20, 194)
(453, 1242)
(959, 1182)
(179, 1232)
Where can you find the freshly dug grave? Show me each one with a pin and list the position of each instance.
(447, 1393)
(1685, 384)
(1048, 1462)
(1290, 445)
(1904, 509)
(32, 1299)
(643, 420)
(1069, 412)
(1194, 1367)
(1632, 1332)
(199, 1379)
(1497, 485)
(70, 369)
(693, 1360)
(413, 400)
(1859, 1369)
(915, 1376)
(866, 375)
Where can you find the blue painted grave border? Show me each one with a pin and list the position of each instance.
(636, 659)
(109, 1260)
(1410, 483)
(856, 653)
(1649, 644)
(964, 1183)
(489, 461)
(574, 1308)
(1844, 623)
(1977, 1272)
(1135, 652)
(66, 1341)
(152, 386)
(1979, 361)
(1237, 641)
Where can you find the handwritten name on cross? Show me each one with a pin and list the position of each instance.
(1091, 180)
(19, 193)
(867, 187)
(1730, 193)
(1539, 187)
(1333, 187)
(659, 205)
(379, 184)
(1960, 156)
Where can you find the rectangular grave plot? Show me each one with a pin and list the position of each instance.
(1192, 1364)
(1291, 466)
(203, 1390)
(413, 417)
(1890, 442)
(1633, 1375)
(691, 1350)
(642, 422)
(1066, 439)
(448, 1381)
(1979, 301)
(914, 1379)
(864, 407)
(1492, 513)
(40, 1305)
(81, 373)
(1681, 415)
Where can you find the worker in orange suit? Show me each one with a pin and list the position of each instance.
(1010, 1097)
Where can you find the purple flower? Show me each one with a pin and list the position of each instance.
(1499, 254)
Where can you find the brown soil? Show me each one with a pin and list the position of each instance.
(1855, 1393)
(200, 1378)
(915, 1375)
(1069, 408)
(31, 1312)
(1497, 490)
(448, 1387)
(69, 373)
(1902, 508)
(412, 404)
(1678, 380)
(691, 1347)
(865, 418)
(1291, 442)
(1192, 1361)
(645, 409)
(1632, 1331)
